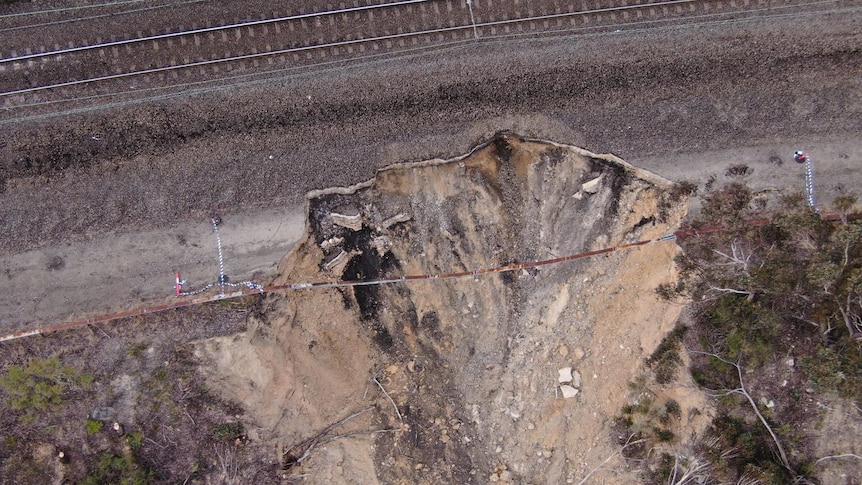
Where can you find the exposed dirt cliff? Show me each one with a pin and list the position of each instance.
(467, 379)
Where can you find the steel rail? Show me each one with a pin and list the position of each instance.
(99, 16)
(207, 29)
(371, 58)
(682, 233)
(350, 43)
(70, 9)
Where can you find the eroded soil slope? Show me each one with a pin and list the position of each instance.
(457, 380)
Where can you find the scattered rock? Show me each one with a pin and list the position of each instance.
(565, 375)
(353, 223)
(576, 379)
(382, 244)
(790, 362)
(563, 350)
(103, 414)
(592, 186)
(331, 243)
(336, 264)
(392, 221)
(578, 353)
(568, 391)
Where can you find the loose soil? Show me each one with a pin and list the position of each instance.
(470, 365)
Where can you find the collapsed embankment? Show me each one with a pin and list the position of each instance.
(463, 376)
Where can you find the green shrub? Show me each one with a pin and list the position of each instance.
(665, 360)
(137, 349)
(94, 426)
(672, 408)
(227, 431)
(839, 372)
(41, 385)
(135, 440)
(662, 435)
(117, 469)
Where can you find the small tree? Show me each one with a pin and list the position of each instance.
(41, 384)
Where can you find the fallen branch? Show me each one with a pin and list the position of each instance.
(354, 433)
(628, 443)
(732, 290)
(387, 397)
(309, 444)
(835, 457)
(157, 444)
(100, 329)
(741, 390)
(318, 444)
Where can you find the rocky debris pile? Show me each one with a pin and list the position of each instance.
(474, 351)
(570, 382)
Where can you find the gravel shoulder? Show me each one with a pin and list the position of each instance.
(119, 271)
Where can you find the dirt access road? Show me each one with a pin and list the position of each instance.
(127, 269)
(683, 102)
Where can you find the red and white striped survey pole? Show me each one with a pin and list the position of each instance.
(179, 285)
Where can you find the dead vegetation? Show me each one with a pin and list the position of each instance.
(771, 338)
(123, 403)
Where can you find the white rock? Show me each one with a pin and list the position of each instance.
(381, 244)
(568, 391)
(393, 220)
(791, 362)
(565, 375)
(578, 353)
(331, 243)
(579, 195)
(592, 186)
(350, 222)
(576, 379)
(337, 264)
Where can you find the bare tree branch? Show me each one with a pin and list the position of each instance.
(308, 445)
(835, 457)
(731, 290)
(628, 443)
(397, 413)
(737, 257)
(744, 392)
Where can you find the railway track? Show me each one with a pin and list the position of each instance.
(174, 58)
